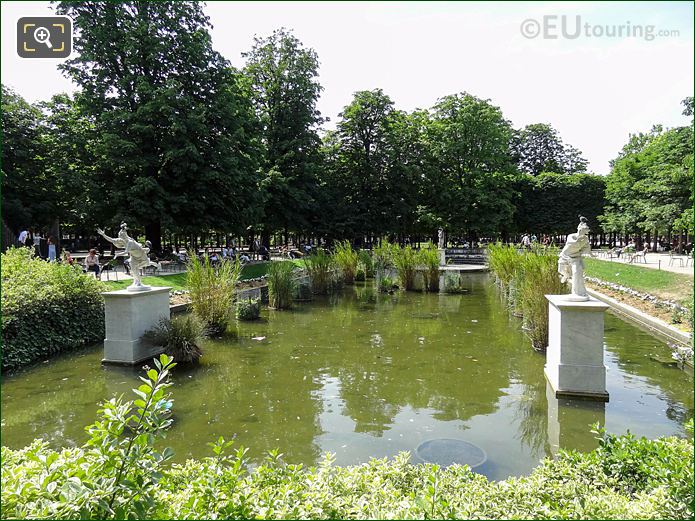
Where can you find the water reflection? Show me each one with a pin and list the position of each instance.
(365, 379)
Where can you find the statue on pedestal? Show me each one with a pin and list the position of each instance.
(138, 255)
(441, 242)
(570, 265)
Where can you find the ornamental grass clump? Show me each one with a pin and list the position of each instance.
(320, 267)
(537, 276)
(503, 260)
(180, 337)
(429, 260)
(383, 254)
(346, 259)
(212, 291)
(386, 285)
(365, 257)
(281, 284)
(406, 261)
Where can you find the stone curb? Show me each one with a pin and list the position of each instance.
(652, 324)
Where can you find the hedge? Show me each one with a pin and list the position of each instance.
(47, 308)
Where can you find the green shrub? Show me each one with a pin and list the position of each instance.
(361, 273)
(281, 284)
(366, 295)
(429, 259)
(503, 261)
(453, 283)
(248, 309)
(346, 259)
(212, 291)
(406, 261)
(320, 267)
(47, 308)
(383, 254)
(181, 337)
(386, 285)
(118, 474)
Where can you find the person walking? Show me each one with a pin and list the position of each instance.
(51, 249)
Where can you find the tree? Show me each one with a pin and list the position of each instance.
(26, 197)
(285, 89)
(538, 148)
(469, 184)
(176, 132)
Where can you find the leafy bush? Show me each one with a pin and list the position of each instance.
(386, 285)
(406, 261)
(117, 474)
(114, 475)
(248, 309)
(453, 283)
(179, 336)
(281, 284)
(212, 291)
(429, 259)
(47, 308)
(320, 267)
(361, 273)
(346, 259)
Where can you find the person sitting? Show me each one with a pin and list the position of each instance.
(264, 253)
(91, 263)
(67, 258)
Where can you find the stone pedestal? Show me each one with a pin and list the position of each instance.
(574, 359)
(442, 256)
(129, 314)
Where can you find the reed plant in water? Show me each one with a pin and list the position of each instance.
(406, 261)
(538, 276)
(346, 259)
(212, 291)
(383, 254)
(429, 259)
(320, 266)
(180, 337)
(281, 284)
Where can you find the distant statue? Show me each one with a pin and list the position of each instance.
(138, 255)
(442, 242)
(570, 265)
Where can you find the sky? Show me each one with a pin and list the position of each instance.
(595, 86)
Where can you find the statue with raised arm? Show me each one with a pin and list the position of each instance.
(138, 255)
(441, 242)
(570, 265)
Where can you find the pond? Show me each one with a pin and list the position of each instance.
(370, 379)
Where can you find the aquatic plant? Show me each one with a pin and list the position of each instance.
(406, 261)
(320, 266)
(346, 258)
(281, 284)
(180, 337)
(212, 291)
(248, 309)
(429, 260)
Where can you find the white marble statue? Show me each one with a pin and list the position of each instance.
(570, 265)
(442, 242)
(138, 255)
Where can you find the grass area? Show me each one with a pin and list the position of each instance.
(663, 284)
(178, 280)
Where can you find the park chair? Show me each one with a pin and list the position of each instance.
(639, 256)
(674, 258)
(109, 268)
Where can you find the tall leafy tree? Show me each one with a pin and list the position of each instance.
(176, 130)
(285, 89)
(538, 148)
(470, 182)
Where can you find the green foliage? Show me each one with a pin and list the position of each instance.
(538, 148)
(625, 478)
(365, 258)
(47, 308)
(453, 283)
(113, 476)
(361, 273)
(383, 254)
(406, 261)
(429, 259)
(366, 295)
(303, 291)
(320, 267)
(248, 309)
(346, 259)
(281, 284)
(536, 277)
(503, 261)
(212, 291)
(180, 337)
(386, 284)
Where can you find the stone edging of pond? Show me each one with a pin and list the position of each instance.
(652, 324)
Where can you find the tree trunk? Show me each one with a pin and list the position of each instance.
(153, 233)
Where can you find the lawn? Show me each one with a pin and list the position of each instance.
(663, 284)
(177, 281)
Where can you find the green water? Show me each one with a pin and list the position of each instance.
(364, 380)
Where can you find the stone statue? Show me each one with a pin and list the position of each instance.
(570, 265)
(442, 242)
(138, 258)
